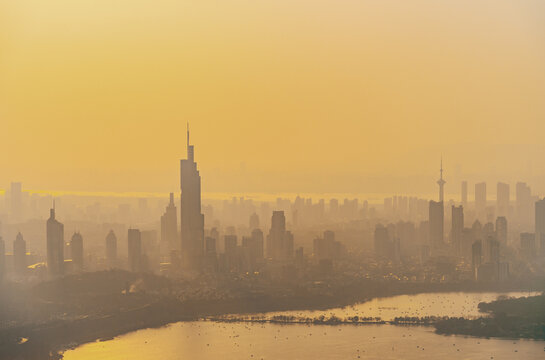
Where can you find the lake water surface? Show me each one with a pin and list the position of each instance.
(211, 340)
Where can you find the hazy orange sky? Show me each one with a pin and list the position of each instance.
(287, 96)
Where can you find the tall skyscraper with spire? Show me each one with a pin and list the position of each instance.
(191, 218)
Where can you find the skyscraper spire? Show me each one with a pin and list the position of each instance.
(190, 150)
(441, 182)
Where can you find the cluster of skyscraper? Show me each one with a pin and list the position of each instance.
(191, 248)
(480, 245)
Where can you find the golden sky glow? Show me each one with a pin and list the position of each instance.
(309, 96)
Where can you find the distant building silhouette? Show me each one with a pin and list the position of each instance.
(524, 204)
(169, 228)
(254, 221)
(326, 247)
(464, 194)
(210, 246)
(19, 254)
(257, 236)
(436, 224)
(382, 242)
(111, 250)
(192, 220)
(540, 225)
(480, 201)
(501, 230)
(502, 199)
(528, 245)
(493, 249)
(457, 228)
(135, 250)
(231, 252)
(279, 241)
(476, 255)
(76, 251)
(55, 245)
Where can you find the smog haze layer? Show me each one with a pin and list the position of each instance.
(281, 96)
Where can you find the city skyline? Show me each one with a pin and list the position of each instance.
(364, 179)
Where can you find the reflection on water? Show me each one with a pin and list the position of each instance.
(210, 340)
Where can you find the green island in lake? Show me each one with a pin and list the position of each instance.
(509, 318)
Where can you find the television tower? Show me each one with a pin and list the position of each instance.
(441, 182)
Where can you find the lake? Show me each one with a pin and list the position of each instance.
(226, 341)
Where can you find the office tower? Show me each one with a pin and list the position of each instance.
(210, 246)
(413, 208)
(169, 228)
(76, 251)
(501, 230)
(457, 228)
(327, 248)
(16, 201)
(135, 250)
(502, 199)
(480, 200)
(524, 203)
(275, 239)
(488, 230)
(214, 233)
(464, 193)
(230, 244)
(210, 260)
(279, 241)
(19, 254)
(492, 250)
(191, 218)
(424, 232)
(323, 247)
(150, 251)
(436, 218)
(382, 241)
(466, 242)
(289, 246)
(257, 235)
(252, 251)
(528, 245)
(111, 250)
(540, 224)
(333, 208)
(254, 221)
(55, 245)
(388, 207)
(231, 256)
(476, 254)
